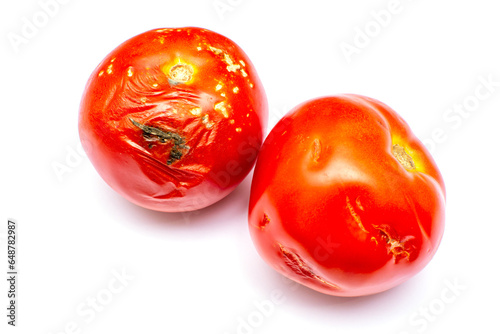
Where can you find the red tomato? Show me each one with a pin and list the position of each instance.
(173, 119)
(345, 199)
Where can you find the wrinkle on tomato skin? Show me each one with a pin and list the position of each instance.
(297, 266)
(165, 184)
(300, 156)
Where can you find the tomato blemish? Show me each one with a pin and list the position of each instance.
(221, 107)
(395, 245)
(316, 150)
(196, 111)
(355, 215)
(205, 120)
(130, 71)
(264, 221)
(163, 136)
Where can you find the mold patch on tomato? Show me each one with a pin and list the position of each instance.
(164, 136)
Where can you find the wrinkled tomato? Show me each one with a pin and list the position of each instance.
(173, 119)
(345, 199)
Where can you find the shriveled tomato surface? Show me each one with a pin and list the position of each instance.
(173, 119)
(345, 199)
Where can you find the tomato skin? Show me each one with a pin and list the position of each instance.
(332, 206)
(173, 119)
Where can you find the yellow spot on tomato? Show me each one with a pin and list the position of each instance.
(130, 71)
(205, 120)
(215, 50)
(196, 111)
(236, 90)
(233, 67)
(221, 107)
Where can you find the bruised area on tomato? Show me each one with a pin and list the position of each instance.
(173, 119)
(345, 199)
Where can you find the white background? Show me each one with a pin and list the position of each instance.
(199, 272)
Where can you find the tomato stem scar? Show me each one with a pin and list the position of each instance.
(180, 73)
(404, 158)
(163, 136)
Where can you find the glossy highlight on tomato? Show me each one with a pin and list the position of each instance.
(345, 199)
(173, 118)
